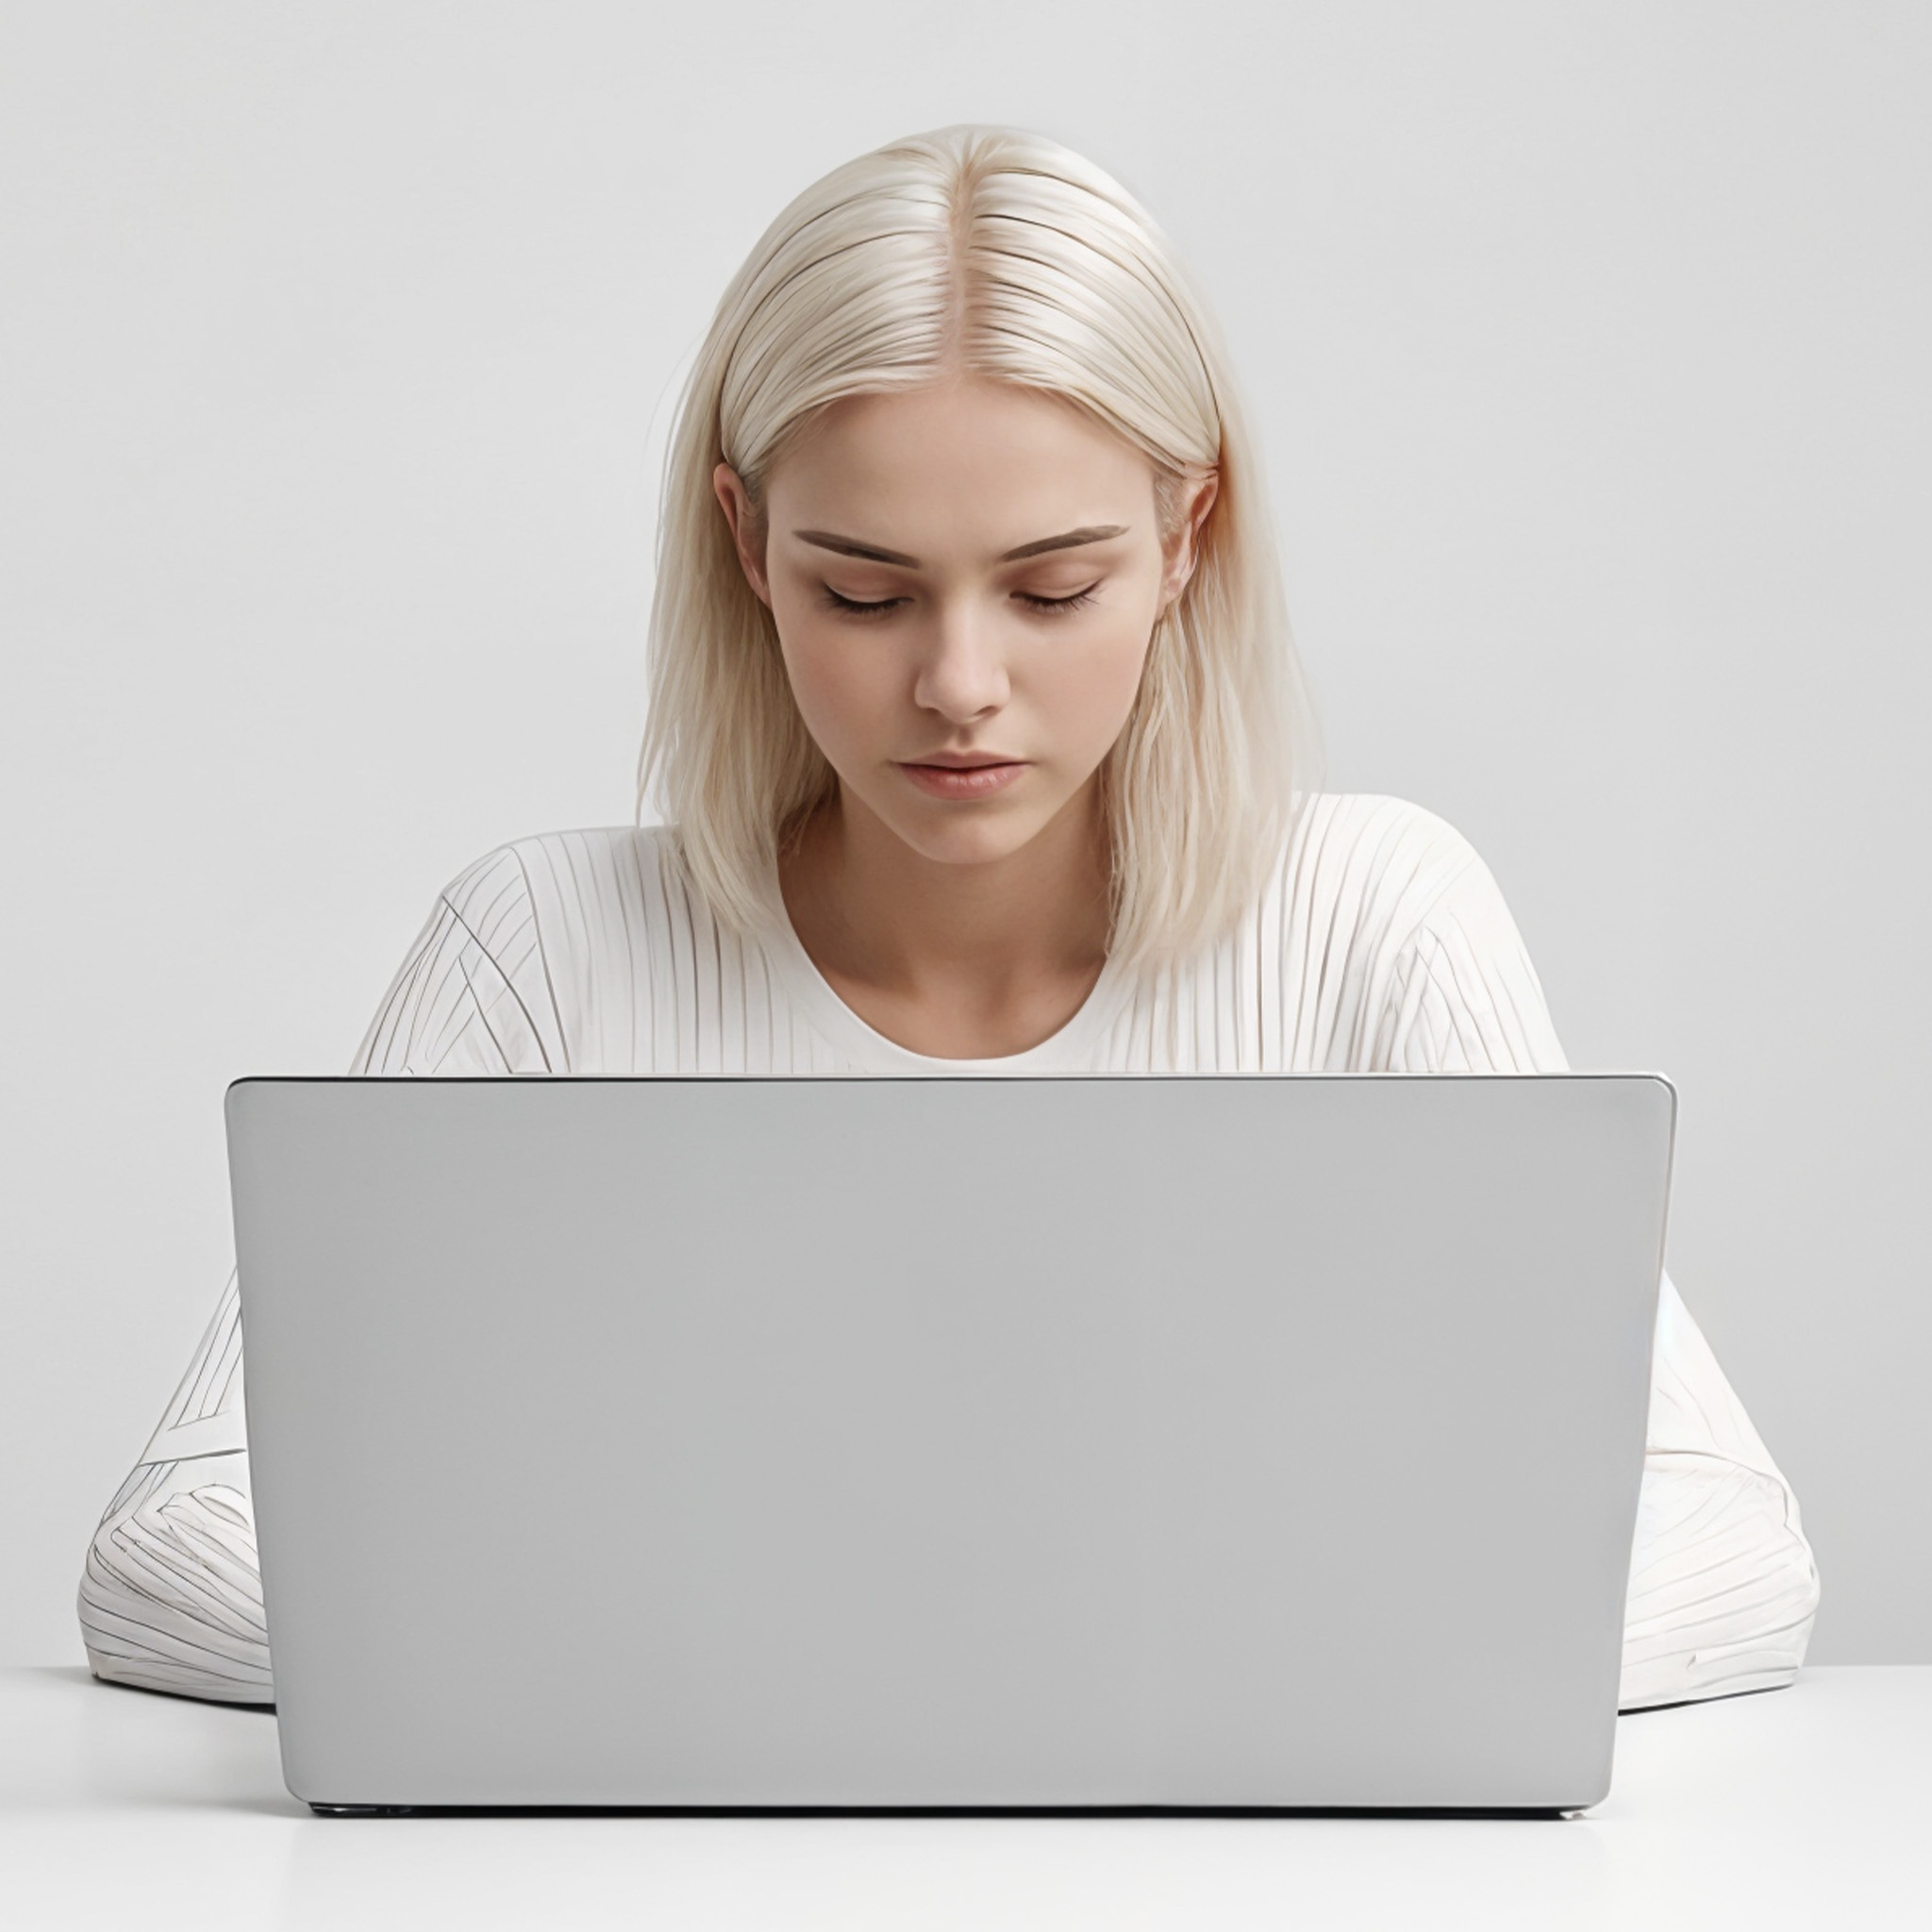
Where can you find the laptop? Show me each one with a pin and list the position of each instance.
(1123, 1443)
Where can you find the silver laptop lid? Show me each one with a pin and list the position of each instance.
(1119, 1440)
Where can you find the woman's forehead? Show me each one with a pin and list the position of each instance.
(945, 462)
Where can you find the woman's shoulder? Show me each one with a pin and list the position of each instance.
(597, 938)
(1413, 934)
(582, 877)
(601, 930)
(1376, 864)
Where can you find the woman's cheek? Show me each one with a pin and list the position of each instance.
(1101, 685)
(837, 693)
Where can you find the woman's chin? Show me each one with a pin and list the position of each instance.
(952, 836)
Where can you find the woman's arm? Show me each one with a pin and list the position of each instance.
(1723, 1588)
(1722, 1585)
(171, 1595)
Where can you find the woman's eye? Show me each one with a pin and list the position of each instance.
(1046, 606)
(1054, 605)
(857, 607)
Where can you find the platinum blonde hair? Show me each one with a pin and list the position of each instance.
(1002, 254)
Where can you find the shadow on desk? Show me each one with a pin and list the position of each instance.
(1645, 1709)
(79, 1673)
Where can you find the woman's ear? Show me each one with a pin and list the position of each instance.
(747, 527)
(1184, 550)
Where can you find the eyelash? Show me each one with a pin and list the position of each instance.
(1046, 606)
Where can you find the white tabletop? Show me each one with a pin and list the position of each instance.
(1809, 1806)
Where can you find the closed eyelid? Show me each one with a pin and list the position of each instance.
(1042, 601)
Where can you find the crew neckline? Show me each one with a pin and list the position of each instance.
(844, 1026)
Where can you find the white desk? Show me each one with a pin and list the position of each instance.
(1810, 1806)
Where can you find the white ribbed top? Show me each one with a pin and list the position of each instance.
(1380, 942)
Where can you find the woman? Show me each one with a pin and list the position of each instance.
(983, 749)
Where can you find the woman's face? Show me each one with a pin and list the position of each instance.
(969, 571)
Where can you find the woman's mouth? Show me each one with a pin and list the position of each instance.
(964, 781)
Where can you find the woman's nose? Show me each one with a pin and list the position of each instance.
(962, 671)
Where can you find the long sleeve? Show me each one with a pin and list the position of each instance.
(1723, 1588)
(171, 1593)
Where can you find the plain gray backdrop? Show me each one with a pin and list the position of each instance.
(1586, 346)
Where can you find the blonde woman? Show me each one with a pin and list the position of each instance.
(982, 748)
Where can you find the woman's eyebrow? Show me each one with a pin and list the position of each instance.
(848, 546)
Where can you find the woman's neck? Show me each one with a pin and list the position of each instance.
(963, 961)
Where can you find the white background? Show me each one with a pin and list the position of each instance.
(1587, 346)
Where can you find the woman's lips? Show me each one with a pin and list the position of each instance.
(963, 781)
